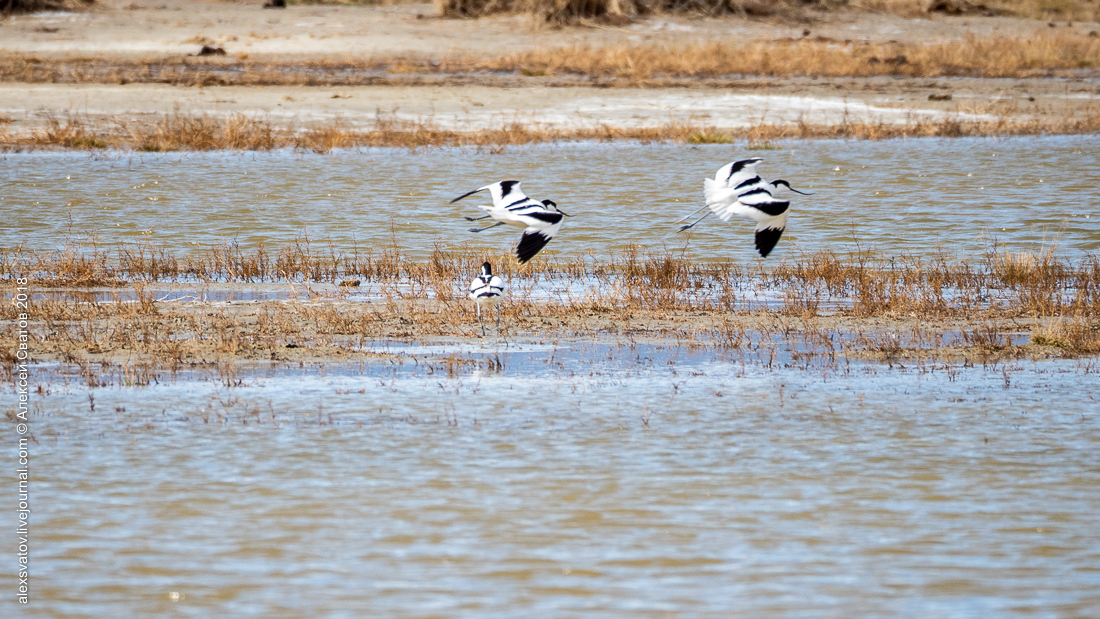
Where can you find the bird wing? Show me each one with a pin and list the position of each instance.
(496, 285)
(518, 207)
(762, 200)
(542, 225)
(737, 172)
(722, 199)
(532, 242)
(506, 193)
(768, 233)
(476, 285)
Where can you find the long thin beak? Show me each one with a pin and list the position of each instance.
(801, 192)
(564, 213)
(467, 195)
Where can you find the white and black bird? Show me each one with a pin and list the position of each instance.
(487, 290)
(540, 220)
(737, 189)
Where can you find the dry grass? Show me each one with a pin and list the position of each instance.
(1047, 54)
(820, 298)
(1061, 52)
(1074, 336)
(915, 304)
(179, 132)
(623, 11)
(860, 285)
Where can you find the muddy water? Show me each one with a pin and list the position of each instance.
(898, 197)
(571, 478)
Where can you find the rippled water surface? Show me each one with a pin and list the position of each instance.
(565, 478)
(572, 478)
(915, 196)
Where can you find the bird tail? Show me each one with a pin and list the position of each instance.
(718, 198)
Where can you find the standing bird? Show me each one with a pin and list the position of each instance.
(487, 289)
(737, 189)
(540, 220)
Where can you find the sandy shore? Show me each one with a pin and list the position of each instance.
(774, 101)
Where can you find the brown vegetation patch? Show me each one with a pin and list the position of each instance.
(826, 305)
(178, 132)
(1062, 52)
(975, 56)
(562, 12)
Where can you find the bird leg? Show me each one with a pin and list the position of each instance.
(477, 218)
(499, 223)
(692, 225)
(692, 213)
(479, 320)
(498, 319)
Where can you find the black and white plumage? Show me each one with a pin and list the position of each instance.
(487, 290)
(540, 220)
(737, 189)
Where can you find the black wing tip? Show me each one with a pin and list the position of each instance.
(530, 245)
(766, 240)
(465, 195)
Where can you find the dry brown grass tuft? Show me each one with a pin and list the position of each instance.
(1075, 336)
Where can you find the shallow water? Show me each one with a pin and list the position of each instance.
(914, 197)
(571, 477)
(565, 477)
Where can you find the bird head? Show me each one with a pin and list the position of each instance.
(553, 206)
(487, 269)
(783, 183)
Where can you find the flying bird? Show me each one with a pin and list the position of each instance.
(737, 189)
(487, 289)
(540, 220)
